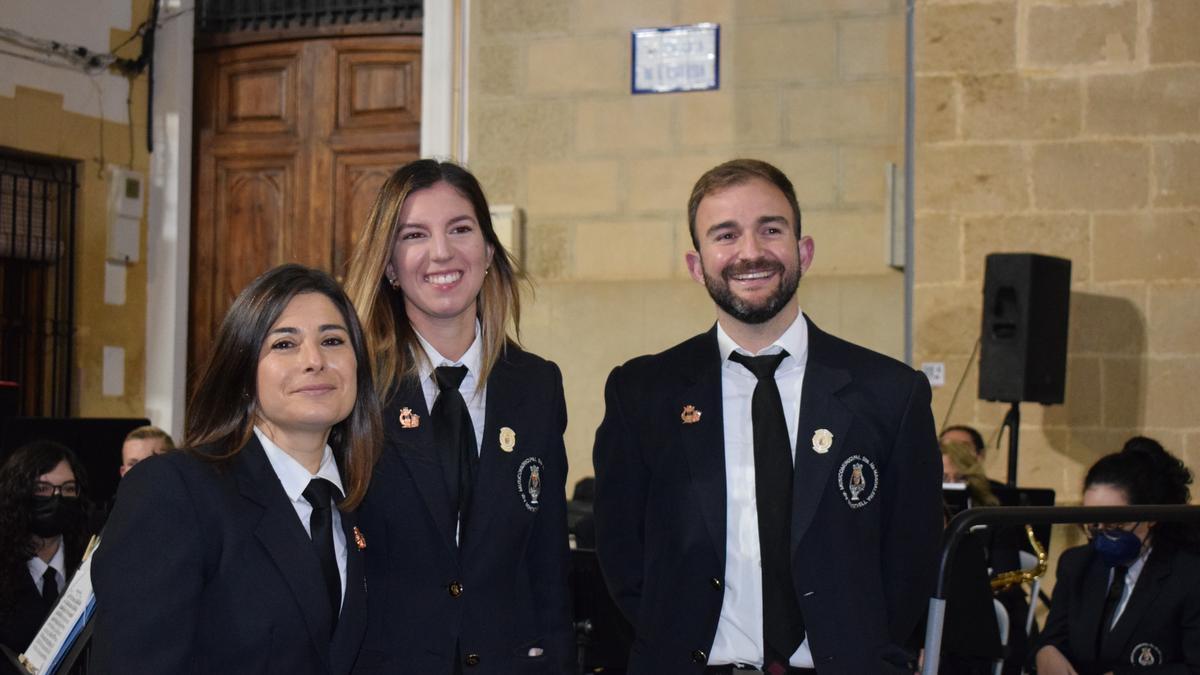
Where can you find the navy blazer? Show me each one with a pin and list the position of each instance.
(864, 560)
(208, 570)
(1157, 632)
(506, 591)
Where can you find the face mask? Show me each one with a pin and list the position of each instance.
(53, 515)
(1118, 548)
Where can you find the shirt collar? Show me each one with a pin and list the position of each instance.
(794, 340)
(58, 561)
(1135, 568)
(472, 359)
(292, 474)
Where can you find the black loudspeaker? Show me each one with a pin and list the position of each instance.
(1026, 302)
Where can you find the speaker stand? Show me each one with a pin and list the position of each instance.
(1012, 420)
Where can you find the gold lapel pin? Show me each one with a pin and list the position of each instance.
(359, 540)
(822, 440)
(508, 439)
(690, 415)
(409, 419)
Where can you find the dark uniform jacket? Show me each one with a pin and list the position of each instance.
(21, 620)
(505, 592)
(203, 570)
(1157, 632)
(866, 514)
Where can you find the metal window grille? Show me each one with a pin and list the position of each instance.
(221, 16)
(37, 299)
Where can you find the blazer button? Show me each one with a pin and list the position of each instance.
(716, 583)
(456, 589)
(472, 659)
(699, 656)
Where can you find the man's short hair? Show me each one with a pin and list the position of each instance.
(151, 432)
(976, 437)
(736, 172)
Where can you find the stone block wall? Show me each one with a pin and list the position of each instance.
(603, 175)
(1070, 128)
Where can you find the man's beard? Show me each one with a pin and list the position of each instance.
(743, 310)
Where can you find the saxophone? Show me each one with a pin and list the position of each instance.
(1006, 580)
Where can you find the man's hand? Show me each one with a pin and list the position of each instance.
(1050, 661)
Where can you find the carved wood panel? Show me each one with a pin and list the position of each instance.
(378, 88)
(358, 177)
(293, 140)
(256, 91)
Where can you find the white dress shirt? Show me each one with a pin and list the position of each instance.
(295, 478)
(37, 568)
(740, 627)
(473, 391)
(1131, 576)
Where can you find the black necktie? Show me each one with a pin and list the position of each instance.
(454, 435)
(320, 493)
(783, 626)
(1115, 590)
(49, 588)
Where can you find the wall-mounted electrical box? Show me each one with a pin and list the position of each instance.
(126, 192)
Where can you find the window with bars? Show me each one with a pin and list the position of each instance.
(37, 238)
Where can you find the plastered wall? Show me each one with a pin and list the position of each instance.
(66, 114)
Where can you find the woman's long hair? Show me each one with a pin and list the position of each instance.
(1148, 474)
(17, 476)
(224, 407)
(967, 462)
(390, 335)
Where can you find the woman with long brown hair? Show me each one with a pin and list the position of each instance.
(466, 514)
(241, 554)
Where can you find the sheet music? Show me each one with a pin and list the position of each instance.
(65, 622)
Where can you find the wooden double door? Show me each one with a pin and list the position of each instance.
(293, 141)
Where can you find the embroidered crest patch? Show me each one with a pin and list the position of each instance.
(529, 482)
(1146, 655)
(858, 479)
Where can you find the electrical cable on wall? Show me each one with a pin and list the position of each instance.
(81, 59)
(958, 387)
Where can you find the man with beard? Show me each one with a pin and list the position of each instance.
(768, 496)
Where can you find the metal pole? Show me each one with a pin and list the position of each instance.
(910, 114)
(1013, 422)
(933, 636)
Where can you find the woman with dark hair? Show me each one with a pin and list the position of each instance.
(43, 533)
(1129, 601)
(240, 554)
(467, 509)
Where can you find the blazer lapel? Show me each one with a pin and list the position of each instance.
(704, 438)
(820, 408)
(1091, 606)
(414, 444)
(352, 623)
(283, 537)
(1145, 591)
(505, 397)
